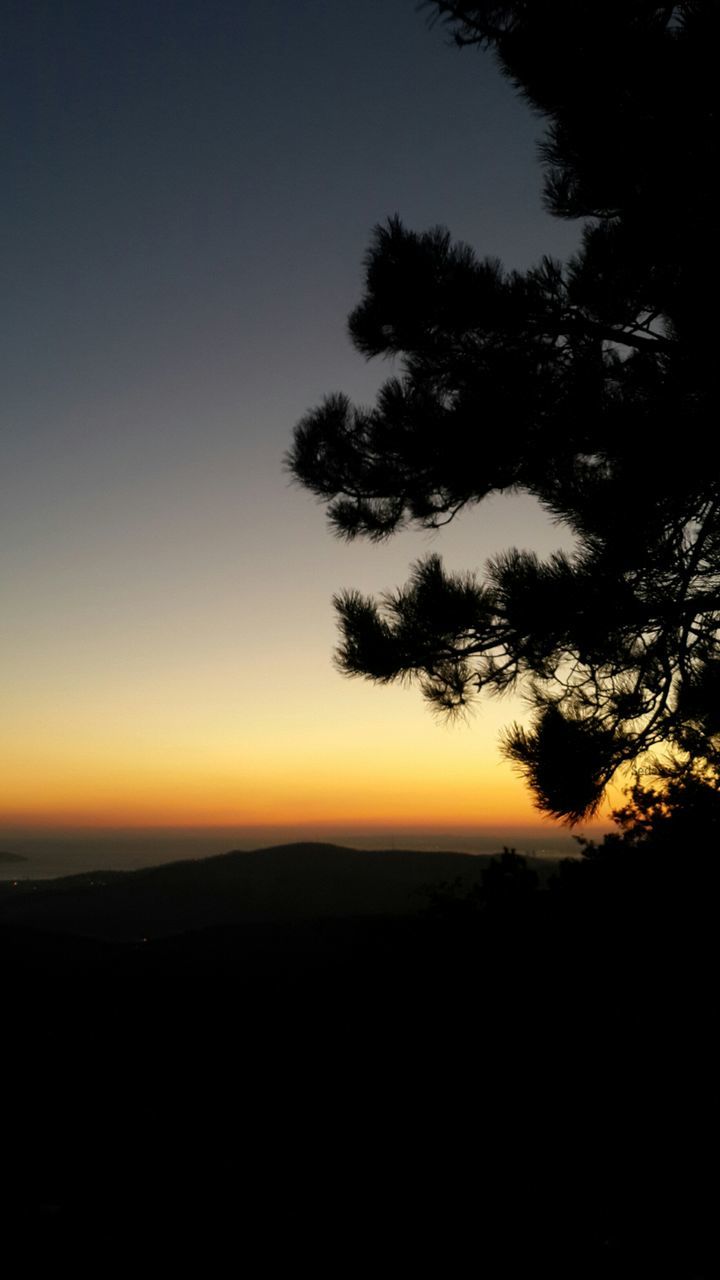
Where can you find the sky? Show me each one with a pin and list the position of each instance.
(189, 189)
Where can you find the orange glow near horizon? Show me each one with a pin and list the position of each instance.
(310, 796)
(414, 776)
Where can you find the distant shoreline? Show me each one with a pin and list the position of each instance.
(53, 855)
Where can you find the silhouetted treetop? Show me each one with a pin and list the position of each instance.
(589, 384)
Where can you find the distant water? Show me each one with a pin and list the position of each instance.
(50, 855)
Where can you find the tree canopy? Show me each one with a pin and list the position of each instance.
(588, 384)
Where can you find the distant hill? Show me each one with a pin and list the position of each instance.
(287, 883)
(6, 857)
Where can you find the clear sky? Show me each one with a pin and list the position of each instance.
(189, 189)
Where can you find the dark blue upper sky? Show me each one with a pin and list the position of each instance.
(190, 184)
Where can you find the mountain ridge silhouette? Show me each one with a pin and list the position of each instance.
(290, 882)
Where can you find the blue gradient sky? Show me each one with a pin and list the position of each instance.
(190, 188)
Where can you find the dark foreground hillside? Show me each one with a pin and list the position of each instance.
(505, 1073)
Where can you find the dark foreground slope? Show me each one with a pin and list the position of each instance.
(515, 1080)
